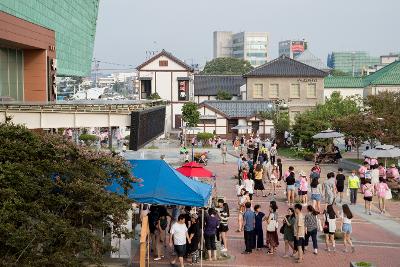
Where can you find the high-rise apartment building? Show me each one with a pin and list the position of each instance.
(292, 48)
(352, 62)
(250, 46)
(39, 39)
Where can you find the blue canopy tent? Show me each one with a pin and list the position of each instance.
(161, 184)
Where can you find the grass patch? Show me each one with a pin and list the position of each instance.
(288, 153)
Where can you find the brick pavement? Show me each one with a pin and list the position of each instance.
(373, 243)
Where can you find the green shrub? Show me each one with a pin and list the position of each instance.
(127, 137)
(363, 264)
(88, 138)
(204, 137)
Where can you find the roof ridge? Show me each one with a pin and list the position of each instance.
(167, 54)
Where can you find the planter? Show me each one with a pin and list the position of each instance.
(309, 157)
(361, 264)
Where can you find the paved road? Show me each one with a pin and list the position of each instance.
(376, 237)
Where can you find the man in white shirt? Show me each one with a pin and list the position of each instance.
(177, 237)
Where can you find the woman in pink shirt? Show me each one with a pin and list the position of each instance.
(381, 190)
(373, 161)
(361, 171)
(303, 188)
(393, 172)
(368, 189)
(382, 171)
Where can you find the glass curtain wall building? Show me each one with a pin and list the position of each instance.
(74, 24)
(352, 63)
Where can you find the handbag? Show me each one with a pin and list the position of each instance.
(388, 194)
(326, 225)
(273, 224)
(282, 230)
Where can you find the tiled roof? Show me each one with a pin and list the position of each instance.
(169, 55)
(311, 60)
(285, 67)
(239, 108)
(209, 85)
(343, 82)
(388, 75)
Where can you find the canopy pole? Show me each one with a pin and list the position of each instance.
(202, 237)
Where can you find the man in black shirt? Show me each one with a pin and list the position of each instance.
(340, 178)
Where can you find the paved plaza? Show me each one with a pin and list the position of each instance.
(376, 237)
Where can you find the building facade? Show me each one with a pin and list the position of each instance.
(42, 39)
(300, 86)
(220, 116)
(250, 46)
(172, 80)
(292, 48)
(352, 63)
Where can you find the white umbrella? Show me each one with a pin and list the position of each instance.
(240, 127)
(327, 134)
(382, 151)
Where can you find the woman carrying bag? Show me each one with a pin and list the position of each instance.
(272, 227)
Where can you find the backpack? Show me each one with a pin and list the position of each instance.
(163, 223)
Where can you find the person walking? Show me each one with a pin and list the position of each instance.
(223, 227)
(303, 188)
(273, 153)
(258, 228)
(374, 175)
(162, 224)
(340, 178)
(274, 178)
(299, 232)
(288, 231)
(194, 238)
(369, 191)
(249, 225)
(381, 190)
(330, 227)
(242, 208)
(249, 186)
(210, 230)
(316, 194)
(353, 184)
(346, 217)
(290, 188)
(258, 180)
(311, 223)
(177, 238)
(224, 150)
(272, 227)
(329, 187)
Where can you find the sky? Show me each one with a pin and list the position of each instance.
(126, 29)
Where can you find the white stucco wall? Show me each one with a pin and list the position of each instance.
(344, 92)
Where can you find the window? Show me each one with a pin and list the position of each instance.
(295, 90)
(207, 121)
(312, 90)
(183, 90)
(258, 91)
(274, 90)
(163, 63)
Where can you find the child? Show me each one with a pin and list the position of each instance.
(368, 190)
(330, 227)
(346, 227)
(249, 186)
(381, 190)
(258, 230)
(316, 194)
(303, 188)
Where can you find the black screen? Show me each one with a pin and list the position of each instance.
(146, 125)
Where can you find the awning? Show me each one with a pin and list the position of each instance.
(183, 78)
(205, 117)
(145, 78)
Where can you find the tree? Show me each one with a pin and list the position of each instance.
(190, 114)
(53, 200)
(154, 96)
(227, 65)
(322, 117)
(338, 73)
(223, 95)
(358, 127)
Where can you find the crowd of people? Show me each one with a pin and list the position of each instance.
(183, 227)
(313, 205)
